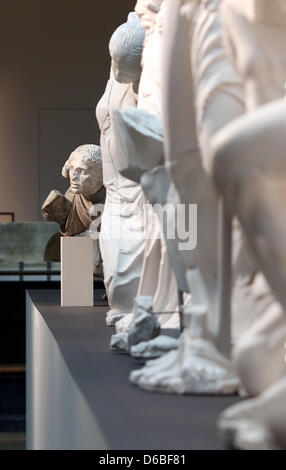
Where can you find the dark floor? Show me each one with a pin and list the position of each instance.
(12, 408)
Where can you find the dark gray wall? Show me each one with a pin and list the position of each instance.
(54, 64)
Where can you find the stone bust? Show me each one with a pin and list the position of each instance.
(74, 211)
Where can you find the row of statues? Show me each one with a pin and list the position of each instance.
(193, 114)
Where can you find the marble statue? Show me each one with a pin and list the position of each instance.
(249, 170)
(142, 135)
(81, 207)
(198, 79)
(122, 240)
(73, 210)
(154, 348)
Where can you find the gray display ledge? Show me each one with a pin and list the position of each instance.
(78, 395)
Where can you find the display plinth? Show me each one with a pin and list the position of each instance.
(79, 397)
(76, 272)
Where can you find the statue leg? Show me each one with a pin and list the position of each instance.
(197, 366)
(122, 251)
(257, 424)
(249, 168)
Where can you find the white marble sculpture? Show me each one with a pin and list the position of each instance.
(122, 238)
(143, 327)
(73, 211)
(78, 212)
(249, 169)
(142, 132)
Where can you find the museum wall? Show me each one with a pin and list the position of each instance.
(54, 65)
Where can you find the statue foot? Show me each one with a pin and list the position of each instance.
(195, 368)
(257, 424)
(113, 316)
(143, 327)
(154, 348)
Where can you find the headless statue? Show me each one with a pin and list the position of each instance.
(249, 169)
(122, 236)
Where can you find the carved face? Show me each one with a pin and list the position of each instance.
(125, 70)
(85, 178)
(147, 11)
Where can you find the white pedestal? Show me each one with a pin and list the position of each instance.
(77, 272)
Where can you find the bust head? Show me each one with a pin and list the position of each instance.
(147, 11)
(126, 46)
(84, 170)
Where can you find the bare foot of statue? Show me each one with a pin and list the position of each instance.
(154, 348)
(195, 368)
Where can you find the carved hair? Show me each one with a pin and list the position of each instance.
(127, 40)
(90, 155)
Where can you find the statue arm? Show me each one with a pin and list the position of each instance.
(56, 208)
